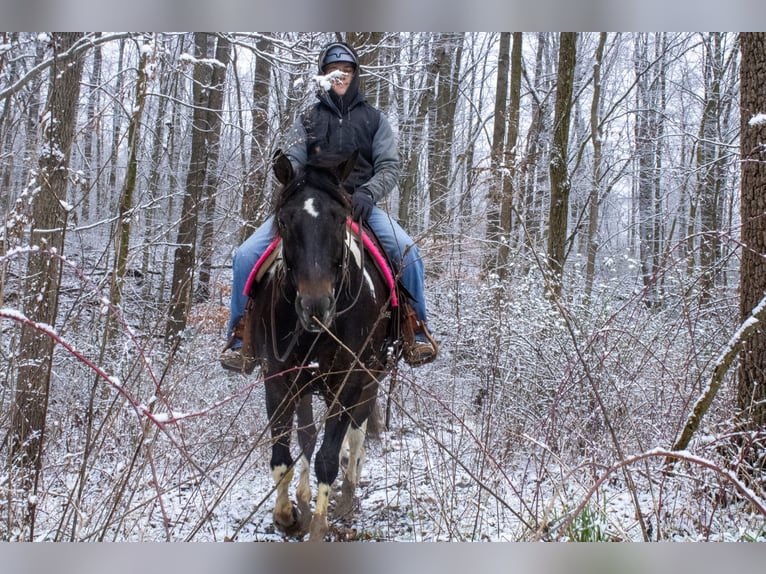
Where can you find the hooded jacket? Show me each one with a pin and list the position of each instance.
(341, 125)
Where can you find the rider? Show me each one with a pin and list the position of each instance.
(341, 122)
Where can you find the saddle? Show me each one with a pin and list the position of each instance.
(405, 323)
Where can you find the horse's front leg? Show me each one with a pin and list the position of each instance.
(280, 408)
(307, 436)
(326, 468)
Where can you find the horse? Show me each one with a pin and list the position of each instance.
(321, 322)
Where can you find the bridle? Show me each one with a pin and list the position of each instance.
(343, 276)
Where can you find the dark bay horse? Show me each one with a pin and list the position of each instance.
(321, 323)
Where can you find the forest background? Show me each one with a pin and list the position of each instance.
(594, 245)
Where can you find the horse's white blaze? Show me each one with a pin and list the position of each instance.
(354, 248)
(310, 208)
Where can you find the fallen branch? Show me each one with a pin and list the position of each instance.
(757, 317)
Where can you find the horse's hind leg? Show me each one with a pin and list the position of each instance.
(355, 437)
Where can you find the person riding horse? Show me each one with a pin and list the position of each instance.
(341, 122)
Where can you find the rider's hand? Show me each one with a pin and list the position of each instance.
(362, 203)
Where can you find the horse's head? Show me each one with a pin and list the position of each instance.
(311, 215)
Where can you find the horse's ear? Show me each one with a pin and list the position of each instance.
(283, 168)
(346, 167)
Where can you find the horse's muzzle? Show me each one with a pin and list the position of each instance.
(315, 308)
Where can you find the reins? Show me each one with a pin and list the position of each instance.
(347, 250)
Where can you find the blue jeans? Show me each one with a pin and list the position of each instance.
(397, 244)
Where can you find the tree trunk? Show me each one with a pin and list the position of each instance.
(560, 184)
(103, 202)
(751, 396)
(497, 168)
(443, 128)
(185, 252)
(254, 207)
(43, 279)
(91, 132)
(595, 190)
(533, 175)
(709, 168)
(510, 181)
(412, 141)
(215, 122)
(125, 215)
(153, 227)
(647, 94)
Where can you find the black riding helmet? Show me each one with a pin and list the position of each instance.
(337, 52)
(341, 52)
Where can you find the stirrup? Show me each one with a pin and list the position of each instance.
(234, 360)
(417, 352)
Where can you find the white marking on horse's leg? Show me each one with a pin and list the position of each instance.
(353, 246)
(310, 208)
(323, 499)
(319, 525)
(356, 453)
(303, 492)
(283, 509)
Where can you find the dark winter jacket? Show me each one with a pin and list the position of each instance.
(325, 127)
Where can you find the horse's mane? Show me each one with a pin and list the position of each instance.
(320, 173)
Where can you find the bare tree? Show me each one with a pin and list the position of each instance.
(412, 136)
(49, 217)
(125, 217)
(560, 182)
(103, 200)
(185, 253)
(711, 159)
(649, 104)
(443, 126)
(90, 155)
(595, 192)
(215, 123)
(534, 176)
(497, 167)
(253, 208)
(511, 189)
